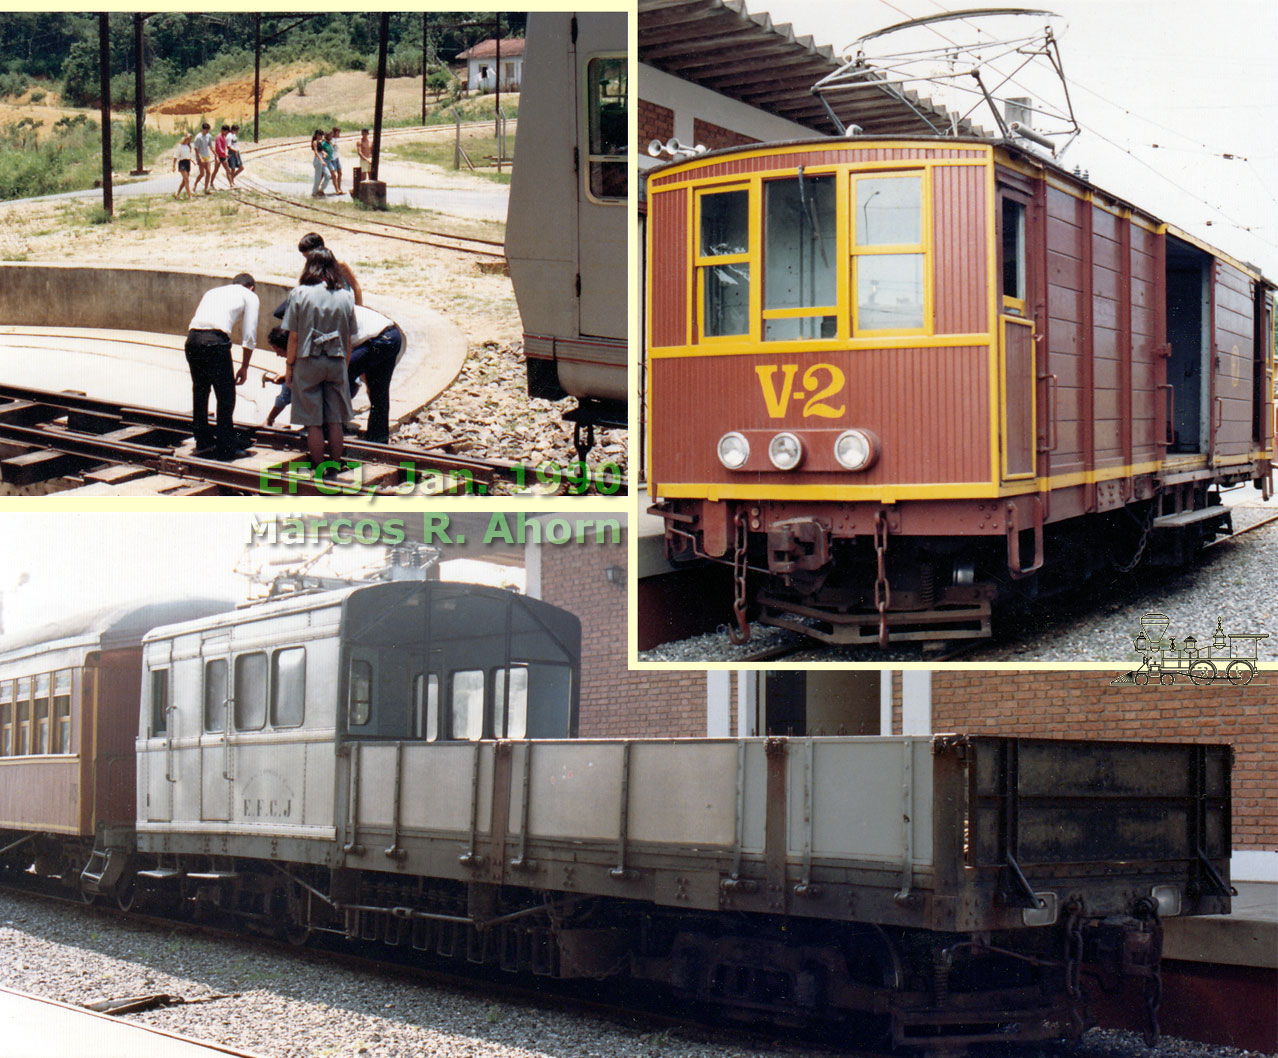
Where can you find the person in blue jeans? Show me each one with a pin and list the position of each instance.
(375, 349)
(278, 341)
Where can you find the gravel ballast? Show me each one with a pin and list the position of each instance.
(284, 1004)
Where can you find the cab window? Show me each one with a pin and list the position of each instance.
(606, 106)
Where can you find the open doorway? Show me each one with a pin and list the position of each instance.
(819, 702)
(1189, 334)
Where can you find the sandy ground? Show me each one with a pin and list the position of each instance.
(349, 97)
(227, 100)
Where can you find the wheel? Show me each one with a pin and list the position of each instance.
(1202, 673)
(1167, 679)
(1142, 678)
(126, 892)
(1240, 673)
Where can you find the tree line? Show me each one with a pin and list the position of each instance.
(182, 51)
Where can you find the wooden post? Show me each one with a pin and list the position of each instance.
(423, 67)
(257, 72)
(104, 79)
(139, 89)
(497, 73)
(383, 37)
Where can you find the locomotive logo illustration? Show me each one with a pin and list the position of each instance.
(1230, 656)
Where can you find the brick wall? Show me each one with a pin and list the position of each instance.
(716, 136)
(655, 123)
(615, 702)
(1084, 705)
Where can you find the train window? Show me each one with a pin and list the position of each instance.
(288, 687)
(426, 706)
(1013, 255)
(889, 250)
(723, 263)
(512, 722)
(799, 274)
(250, 692)
(6, 718)
(215, 695)
(361, 694)
(468, 704)
(606, 104)
(159, 701)
(62, 711)
(22, 709)
(40, 730)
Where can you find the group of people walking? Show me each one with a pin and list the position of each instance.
(330, 341)
(211, 155)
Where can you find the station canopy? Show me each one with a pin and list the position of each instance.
(720, 46)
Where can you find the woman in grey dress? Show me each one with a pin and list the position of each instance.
(320, 320)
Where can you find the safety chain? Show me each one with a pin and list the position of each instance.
(741, 632)
(882, 589)
(1140, 548)
(1074, 967)
(1154, 984)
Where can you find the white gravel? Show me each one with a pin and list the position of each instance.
(284, 1005)
(1234, 580)
(487, 410)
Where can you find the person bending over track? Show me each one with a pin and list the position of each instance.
(208, 354)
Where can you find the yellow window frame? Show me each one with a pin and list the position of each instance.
(923, 174)
(840, 250)
(751, 258)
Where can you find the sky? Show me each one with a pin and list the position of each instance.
(1197, 80)
(53, 565)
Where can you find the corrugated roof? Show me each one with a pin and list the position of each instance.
(487, 49)
(719, 45)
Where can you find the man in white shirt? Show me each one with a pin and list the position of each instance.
(208, 354)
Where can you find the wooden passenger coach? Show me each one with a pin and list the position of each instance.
(933, 339)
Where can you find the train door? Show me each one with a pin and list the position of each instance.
(156, 759)
(601, 101)
(1262, 420)
(215, 749)
(1232, 346)
(1189, 313)
(1018, 383)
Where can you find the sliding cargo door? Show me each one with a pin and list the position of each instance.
(1233, 349)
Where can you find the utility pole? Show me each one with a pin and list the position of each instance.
(383, 37)
(497, 78)
(423, 67)
(139, 88)
(104, 80)
(257, 71)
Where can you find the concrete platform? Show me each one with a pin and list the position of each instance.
(32, 1027)
(1247, 937)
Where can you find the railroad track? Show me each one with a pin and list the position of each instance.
(306, 210)
(46, 435)
(597, 1000)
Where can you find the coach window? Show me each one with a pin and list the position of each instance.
(62, 711)
(426, 706)
(468, 705)
(215, 695)
(1013, 256)
(510, 722)
(288, 687)
(606, 102)
(6, 718)
(159, 701)
(23, 709)
(361, 692)
(889, 249)
(41, 728)
(799, 278)
(723, 262)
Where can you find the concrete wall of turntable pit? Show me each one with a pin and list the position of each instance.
(127, 299)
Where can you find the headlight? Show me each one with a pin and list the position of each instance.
(854, 449)
(734, 450)
(1167, 897)
(786, 451)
